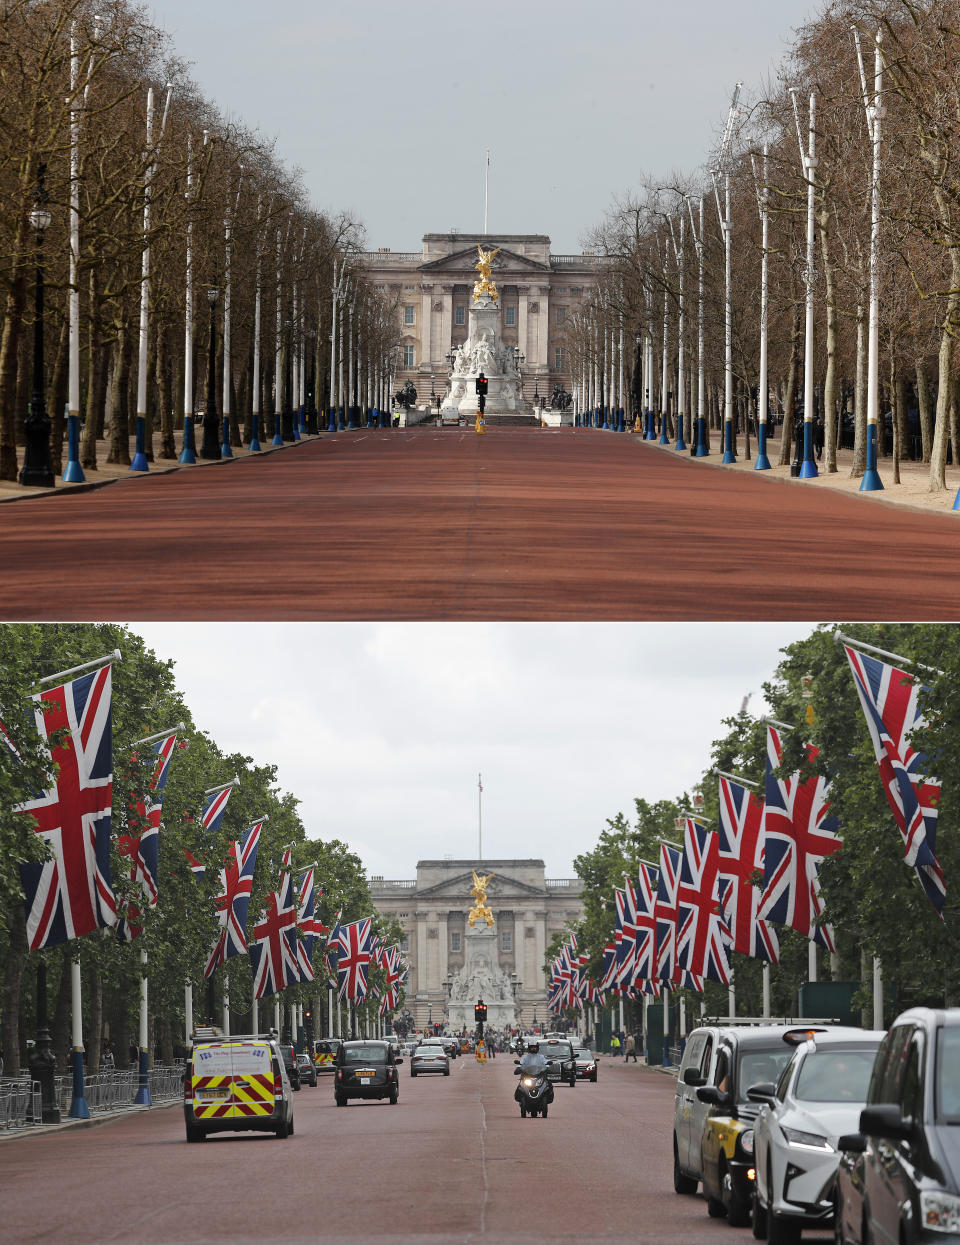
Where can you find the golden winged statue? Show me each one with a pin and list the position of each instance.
(480, 910)
(485, 286)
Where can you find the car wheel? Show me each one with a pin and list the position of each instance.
(523, 1113)
(394, 1097)
(715, 1208)
(412, 1073)
(681, 1183)
(759, 1221)
(195, 1134)
(291, 1125)
(782, 1231)
(738, 1212)
(283, 1130)
(340, 1100)
(543, 1111)
(594, 1078)
(446, 1072)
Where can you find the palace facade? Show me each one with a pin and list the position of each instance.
(431, 290)
(528, 909)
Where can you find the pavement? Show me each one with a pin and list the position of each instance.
(442, 524)
(452, 1162)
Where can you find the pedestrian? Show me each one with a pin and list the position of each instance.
(614, 1045)
(134, 1052)
(630, 1048)
(108, 1060)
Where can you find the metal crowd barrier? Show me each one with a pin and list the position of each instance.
(109, 1090)
(19, 1102)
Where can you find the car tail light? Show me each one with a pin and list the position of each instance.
(339, 1074)
(277, 1085)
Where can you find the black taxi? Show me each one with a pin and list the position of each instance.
(366, 1069)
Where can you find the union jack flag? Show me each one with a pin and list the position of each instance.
(236, 881)
(741, 870)
(141, 845)
(353, 959)
(702, 934)
(308, 924)
(665, 911)
(608, 962)
(273, 956)
(890, 701)
(798, 835)
(71, 895)
(331, 953)
(214, 806)
(644, 902)
(625, 935)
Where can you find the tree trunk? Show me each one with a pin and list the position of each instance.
(59, 390)
(9, 353)
(116, 415)
(899, 422)
(955, 417)
(88, 444)
(926, 412)
(95, 1039)
(789, 399)
(168, 447)
(938, 451)
(12, 980)
(60, 1029)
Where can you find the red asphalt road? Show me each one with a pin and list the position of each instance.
(431, 524)
(452, 1162)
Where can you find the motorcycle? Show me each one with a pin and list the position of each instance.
(534, 1092)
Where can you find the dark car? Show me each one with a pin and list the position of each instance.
(289, 1056)
(586, 1064)
(451, 1046)
(307, 1070)
(366, 1069)
(899, 1178)
(561, 1064)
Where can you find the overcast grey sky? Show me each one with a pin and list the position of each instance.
(382, 729)
(388, 107)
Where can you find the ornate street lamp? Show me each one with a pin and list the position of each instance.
(37, 468)
(211, 422)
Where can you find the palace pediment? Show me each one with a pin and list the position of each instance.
(504, 262)
(500, 887)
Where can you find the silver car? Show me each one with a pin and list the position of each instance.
(429, 1057)
(817, 1099)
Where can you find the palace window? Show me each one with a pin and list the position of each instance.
(408, 359)
(405, 942)
(558, 359)
(455, 940)
(409, 313)
(561, 314)
(506, 940)
(510, 316)
(460, 315)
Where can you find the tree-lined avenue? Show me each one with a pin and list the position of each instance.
(516, 524)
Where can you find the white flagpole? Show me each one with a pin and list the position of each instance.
(87, 665)
(78, 1103)
(188, 1012)
(143, 1089)
(486, 191)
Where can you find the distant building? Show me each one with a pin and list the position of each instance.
(431, 290)
(528, 907)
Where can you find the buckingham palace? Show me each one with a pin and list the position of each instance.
(528, 908)
(431, 290)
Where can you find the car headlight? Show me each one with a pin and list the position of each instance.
(813, 1141)
(746, 1141)
(940, 1211)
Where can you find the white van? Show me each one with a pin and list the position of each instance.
(237, 1085)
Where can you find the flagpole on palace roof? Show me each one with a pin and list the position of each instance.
(479, 817)
(87, 665)
(486, 191)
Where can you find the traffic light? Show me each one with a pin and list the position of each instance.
(480, 1012)
(481, 383)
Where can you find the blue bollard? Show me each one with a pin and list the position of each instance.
(808, 468)
(277, 435)
(143, 1098)
(140, 457)
(225, 450)
(255, 437)
(871, 481)
(78, 1103)
(74, 472)
(189, 452)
